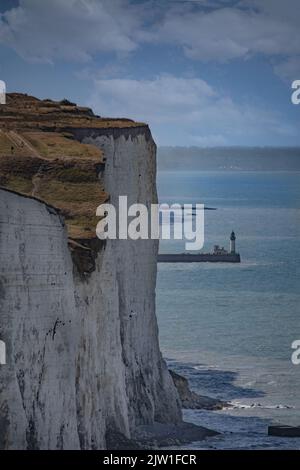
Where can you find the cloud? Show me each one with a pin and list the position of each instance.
(187, 111)
(218, 30)
(73, 30)
(147, 98)
(231, 33)
(289, 69)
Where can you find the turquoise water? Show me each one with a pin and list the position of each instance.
(229, 328)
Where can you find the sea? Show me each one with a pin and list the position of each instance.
(229, 328)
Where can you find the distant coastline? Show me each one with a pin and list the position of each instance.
(229, 158)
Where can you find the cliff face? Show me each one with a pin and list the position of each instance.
(83, 359)
(129, 268)
(39, 327)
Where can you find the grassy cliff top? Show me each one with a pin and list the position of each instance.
(39, 157)
(24, 112)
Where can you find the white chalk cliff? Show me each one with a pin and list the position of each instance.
(83, 358)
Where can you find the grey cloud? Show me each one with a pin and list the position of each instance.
(199, 114)
(231, 33)
(289, 69)
(217, 30)
(72, 30)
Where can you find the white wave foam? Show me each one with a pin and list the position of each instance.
(239, 405)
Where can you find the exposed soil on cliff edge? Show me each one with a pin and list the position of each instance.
(40, 157)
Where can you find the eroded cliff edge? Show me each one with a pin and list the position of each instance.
(138, 388)
(83, 359)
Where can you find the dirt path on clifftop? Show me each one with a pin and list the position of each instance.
(20, 143)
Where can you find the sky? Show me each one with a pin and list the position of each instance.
(200, 73)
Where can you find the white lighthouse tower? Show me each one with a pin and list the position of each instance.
(232, 242)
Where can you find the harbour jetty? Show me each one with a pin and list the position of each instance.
(219, 255)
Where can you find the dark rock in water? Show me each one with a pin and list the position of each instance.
(167, 435)
(284, 431)
(117, 441)
(190, 399)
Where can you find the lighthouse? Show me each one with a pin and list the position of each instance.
(232, 242)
